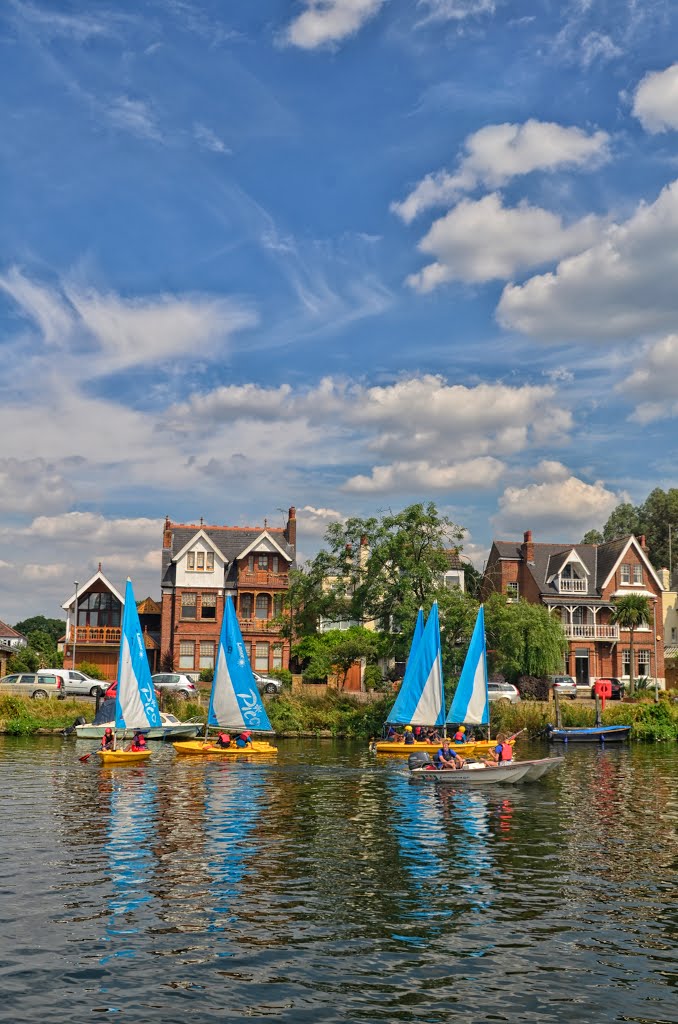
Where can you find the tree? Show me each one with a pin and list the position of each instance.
(56, 628)
(624, 520)
(630, 612)
(593, 537)
(323, 653)
(376, 569)
(523, 639)
(457, 612)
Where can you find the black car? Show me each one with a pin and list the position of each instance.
(617, 687)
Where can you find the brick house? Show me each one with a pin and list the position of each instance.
(11, 638)
(579, 583)
(201, 565)
(93, 627)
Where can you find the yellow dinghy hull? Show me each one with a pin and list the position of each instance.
(109, 757)
(204, 748)
(475, 747)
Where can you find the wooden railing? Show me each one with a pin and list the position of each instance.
(572, 586)
(586, 631)
(266, 580)
(258, 626)
(95, 634)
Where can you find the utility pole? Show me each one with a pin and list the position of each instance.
(75, 622)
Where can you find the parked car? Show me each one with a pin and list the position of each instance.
(506, 693)
(267, 684)
(175, 682)
(617, 687)
(75, 684)
(565, 685)
(31, 684)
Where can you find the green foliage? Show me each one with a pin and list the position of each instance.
(372, 677)
(651, 519)
(522, 638)
(457, 612)
(93, 671)
(631, 612)
(593, 537)
(336, 650)
(206, 675)
(337, 713)
(25, 659)
(283, 674)
(55, 628)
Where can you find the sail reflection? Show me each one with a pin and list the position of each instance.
(129, 846)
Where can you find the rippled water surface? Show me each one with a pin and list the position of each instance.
(327, 886)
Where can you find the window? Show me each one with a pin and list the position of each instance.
(98, 610)
(275, 563)
(261, 607)
(201, 561)
(245, 606)
(277, 604)
(637, 574)
(190, 561)
(643, 663)
(186, 653)
(512, 591)
(277, 656)
(206, 654)
(209, 561)
(626, 573)
(452, 581)
(208, 607)
(188, 606)
(263, 561)
(626, 662)
(261, 664)
(250, 563)
(673, 632)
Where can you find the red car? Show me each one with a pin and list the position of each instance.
(113, 689)
(616, 685)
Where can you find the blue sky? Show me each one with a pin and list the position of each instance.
(338, 254)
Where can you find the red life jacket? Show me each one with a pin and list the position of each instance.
(458, 737)
(506, 753)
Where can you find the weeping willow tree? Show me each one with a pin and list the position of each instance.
(523, 639)
(631, 612)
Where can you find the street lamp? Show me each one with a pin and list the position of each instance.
(75, 622)
(654, 629)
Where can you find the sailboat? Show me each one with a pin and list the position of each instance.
(135, 704)
(235, 703)
(421, 700)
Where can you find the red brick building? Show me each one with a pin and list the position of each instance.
(579, 583)
(201, 565)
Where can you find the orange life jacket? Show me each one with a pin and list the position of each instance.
(506, 753)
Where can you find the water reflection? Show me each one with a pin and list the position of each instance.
(132, 822)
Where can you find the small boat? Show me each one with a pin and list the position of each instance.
(472, 747)
(136, 707)
(170, 726)
(235, 703)
(588, 734)
(540, 767)
(477, 774)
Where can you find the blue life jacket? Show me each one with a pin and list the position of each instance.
(409, 737)
(445, 755)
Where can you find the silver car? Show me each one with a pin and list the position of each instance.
(267, 684)
(175, 682)
(565, 685)
(31, 684)
(507, 693)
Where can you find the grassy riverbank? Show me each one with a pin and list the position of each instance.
(338, 714)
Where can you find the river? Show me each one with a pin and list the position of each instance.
(327, 886)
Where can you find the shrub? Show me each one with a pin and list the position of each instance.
(533, 688)
(284, 675)
(93, 671)
(206, 675)
(372, 677)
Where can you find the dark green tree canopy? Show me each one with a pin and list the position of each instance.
(54, 627)
(656, 519)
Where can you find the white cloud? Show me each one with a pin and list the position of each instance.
(569, 506)
(655, 103)
(653, 384)
(406, 476)
(327, 22)
(40, 303)
(596, 46)
(79, 27)
(92, 528)
(484, 240)
(135, 117)
(29, 485)
(622, 287)
(455, 10)
(550, 470)
(313, 522)
(209, 139)
(499, 152)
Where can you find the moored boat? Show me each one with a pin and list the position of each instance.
(121, 756)
(235, 703)
(589, 734)
(472, 747)
(476, 774)
(170, 726)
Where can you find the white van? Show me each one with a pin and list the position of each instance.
(74, 683)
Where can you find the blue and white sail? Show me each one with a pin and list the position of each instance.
(235, 702)
(421, 700)
(135, 703)
(471, 703)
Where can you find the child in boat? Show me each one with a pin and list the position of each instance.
(108, 739)
(223, 740)
(138, 743)
(460, 735)
(502, 753)
(409, 735)
(447, 759)
(243, 739)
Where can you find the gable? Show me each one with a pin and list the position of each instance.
(265, 544)
(631, 545)
(200, 541)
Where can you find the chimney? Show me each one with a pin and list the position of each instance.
(642, 542)
(291, 528)
(364, 551)
(664, 578)
(527, 548)
(167, 535)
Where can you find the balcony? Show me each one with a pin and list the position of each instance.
(571, 586)
(258, 626)
(95, 634)
(264, 580)
(586, 631)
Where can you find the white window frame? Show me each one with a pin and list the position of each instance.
(206, 654)
(190, 561)
(625, 572)
(187, 654)
(189, 600)
(637, 574)
(261, 656)
(513, 591)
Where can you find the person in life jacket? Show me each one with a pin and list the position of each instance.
(460, 735)
(223, 740)
(409, 735)
(502, 753)
(446, 758)
(243, 739)
(139, 742)
(108, 739)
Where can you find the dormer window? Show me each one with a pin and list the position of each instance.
(263, 561)
(569, 580)
(200, 561)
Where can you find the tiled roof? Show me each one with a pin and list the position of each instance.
(453, 559)
(230, 540)
(148, 607)
(8, 633)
